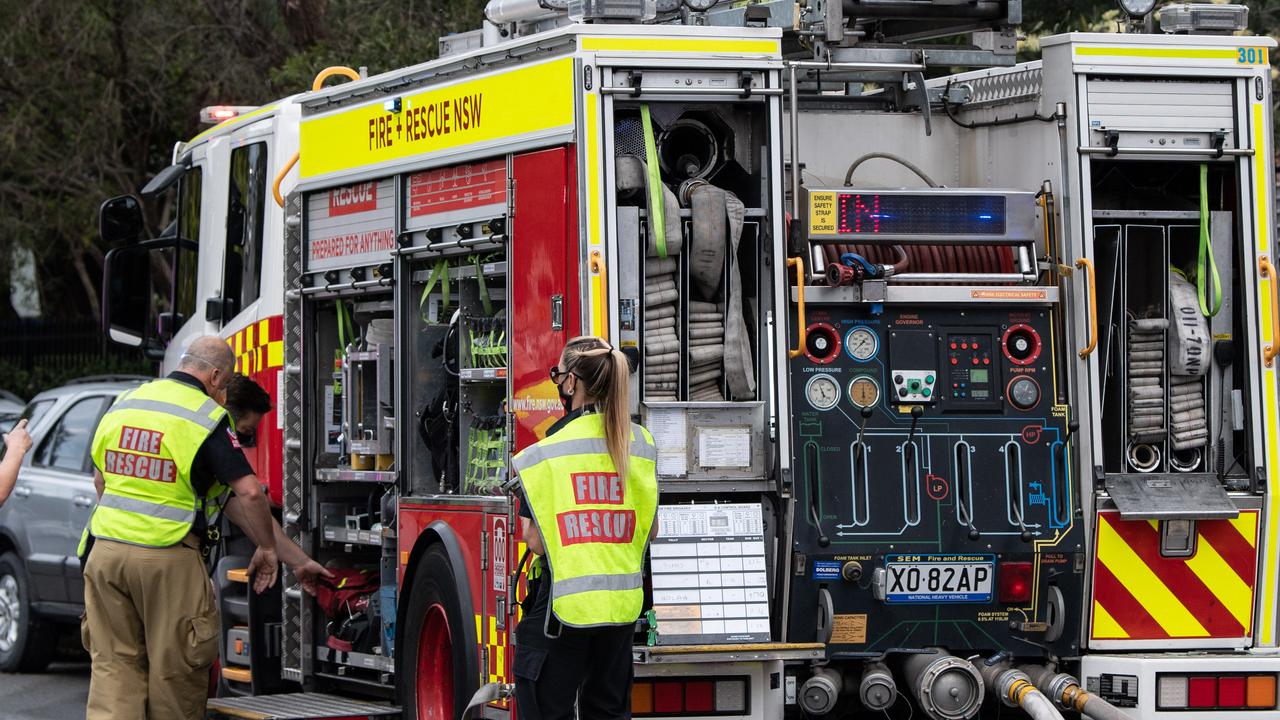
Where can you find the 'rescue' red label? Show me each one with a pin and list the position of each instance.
(351, 199)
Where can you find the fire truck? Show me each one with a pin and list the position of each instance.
(963, 385)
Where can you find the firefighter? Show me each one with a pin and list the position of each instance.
(246, 402)
(590, 495)
(151, 625)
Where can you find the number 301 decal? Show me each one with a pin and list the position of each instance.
(1251, 56)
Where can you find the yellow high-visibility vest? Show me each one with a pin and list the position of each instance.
(594, 524)
(144, 447)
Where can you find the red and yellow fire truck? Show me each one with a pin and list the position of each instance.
(989, 423)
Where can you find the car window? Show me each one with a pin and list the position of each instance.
(32, 413)
(66, 445)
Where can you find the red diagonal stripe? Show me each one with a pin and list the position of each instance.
(1232, 546)
(1174, 573)
(1123, 606)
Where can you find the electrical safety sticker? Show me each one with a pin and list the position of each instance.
(824, 570)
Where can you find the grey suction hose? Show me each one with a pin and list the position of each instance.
(848, 176)
(1015, 689)
(1065, 690)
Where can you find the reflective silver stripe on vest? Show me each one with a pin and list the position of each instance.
(199, 417)
(150, 509)
(535, 454)
(589, 583)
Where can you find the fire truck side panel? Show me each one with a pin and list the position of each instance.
(543, 254)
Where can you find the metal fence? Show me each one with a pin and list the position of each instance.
(36, 355)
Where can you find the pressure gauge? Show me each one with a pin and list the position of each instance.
(862, 344)
(822, 391)
(864, 391)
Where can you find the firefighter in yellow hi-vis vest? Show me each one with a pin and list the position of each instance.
(591, 492)
(151, 625)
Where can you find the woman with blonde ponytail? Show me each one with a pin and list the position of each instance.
(589, 495)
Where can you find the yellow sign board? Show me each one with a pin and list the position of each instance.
(822, 213)
(502, 105)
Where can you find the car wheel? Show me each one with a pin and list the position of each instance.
(437, 682)
(26, 642)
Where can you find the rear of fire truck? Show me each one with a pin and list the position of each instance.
(1033, 393)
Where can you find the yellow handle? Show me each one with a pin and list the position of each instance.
(798, 264)
(1269, 352)
(275, 186)
(1087, 264)
(329, 72)
(316, 84)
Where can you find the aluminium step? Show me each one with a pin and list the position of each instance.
(298, 706)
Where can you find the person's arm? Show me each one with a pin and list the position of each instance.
(304, 568)
(99, 484)
(16, 442)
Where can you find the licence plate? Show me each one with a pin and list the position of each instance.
(939, 578)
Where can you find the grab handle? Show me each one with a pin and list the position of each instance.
(329, 72)
(1087, 264)
(798, 264)
(1268, 270)
(275, 186)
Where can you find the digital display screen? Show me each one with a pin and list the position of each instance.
(978, 375)
(923, 214)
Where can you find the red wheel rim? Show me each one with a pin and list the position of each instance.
(435, 667)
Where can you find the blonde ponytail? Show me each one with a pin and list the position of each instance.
(605, 374)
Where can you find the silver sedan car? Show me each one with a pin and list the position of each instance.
(41, 589)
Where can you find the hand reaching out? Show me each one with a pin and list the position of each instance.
(18, 440)
(308, 573)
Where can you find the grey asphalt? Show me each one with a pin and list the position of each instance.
(58, 693)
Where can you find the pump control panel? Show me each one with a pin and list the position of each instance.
(931, 452)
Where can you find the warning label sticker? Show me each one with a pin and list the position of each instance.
(849, 629)
(822, 213)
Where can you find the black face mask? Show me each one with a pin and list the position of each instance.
(247, 440)
(565, 400)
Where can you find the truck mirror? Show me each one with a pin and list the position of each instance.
(126, 294)
(120, 221)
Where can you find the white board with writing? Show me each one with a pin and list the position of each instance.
(709, 572)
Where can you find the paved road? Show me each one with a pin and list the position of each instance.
(59, 693)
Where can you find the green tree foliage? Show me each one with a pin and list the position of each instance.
(94, 94)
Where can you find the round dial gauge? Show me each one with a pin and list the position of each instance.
(862, 344)
(1024, 392)
(864, 391)
(822, 391)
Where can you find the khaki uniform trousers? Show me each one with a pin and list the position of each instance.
(151, 628)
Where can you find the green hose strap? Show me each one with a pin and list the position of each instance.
(657, 211)
(1206, 252)
(485, 302)
(343, 322)
(440, 272)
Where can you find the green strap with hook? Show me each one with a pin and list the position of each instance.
(485, 302)
(439, 273)
(344, 323)
(657, 211)
(1205, 257)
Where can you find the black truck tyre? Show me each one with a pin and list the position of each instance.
(27, 643)
(435, 684)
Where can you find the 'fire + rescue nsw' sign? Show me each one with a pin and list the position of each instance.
(473, 113)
